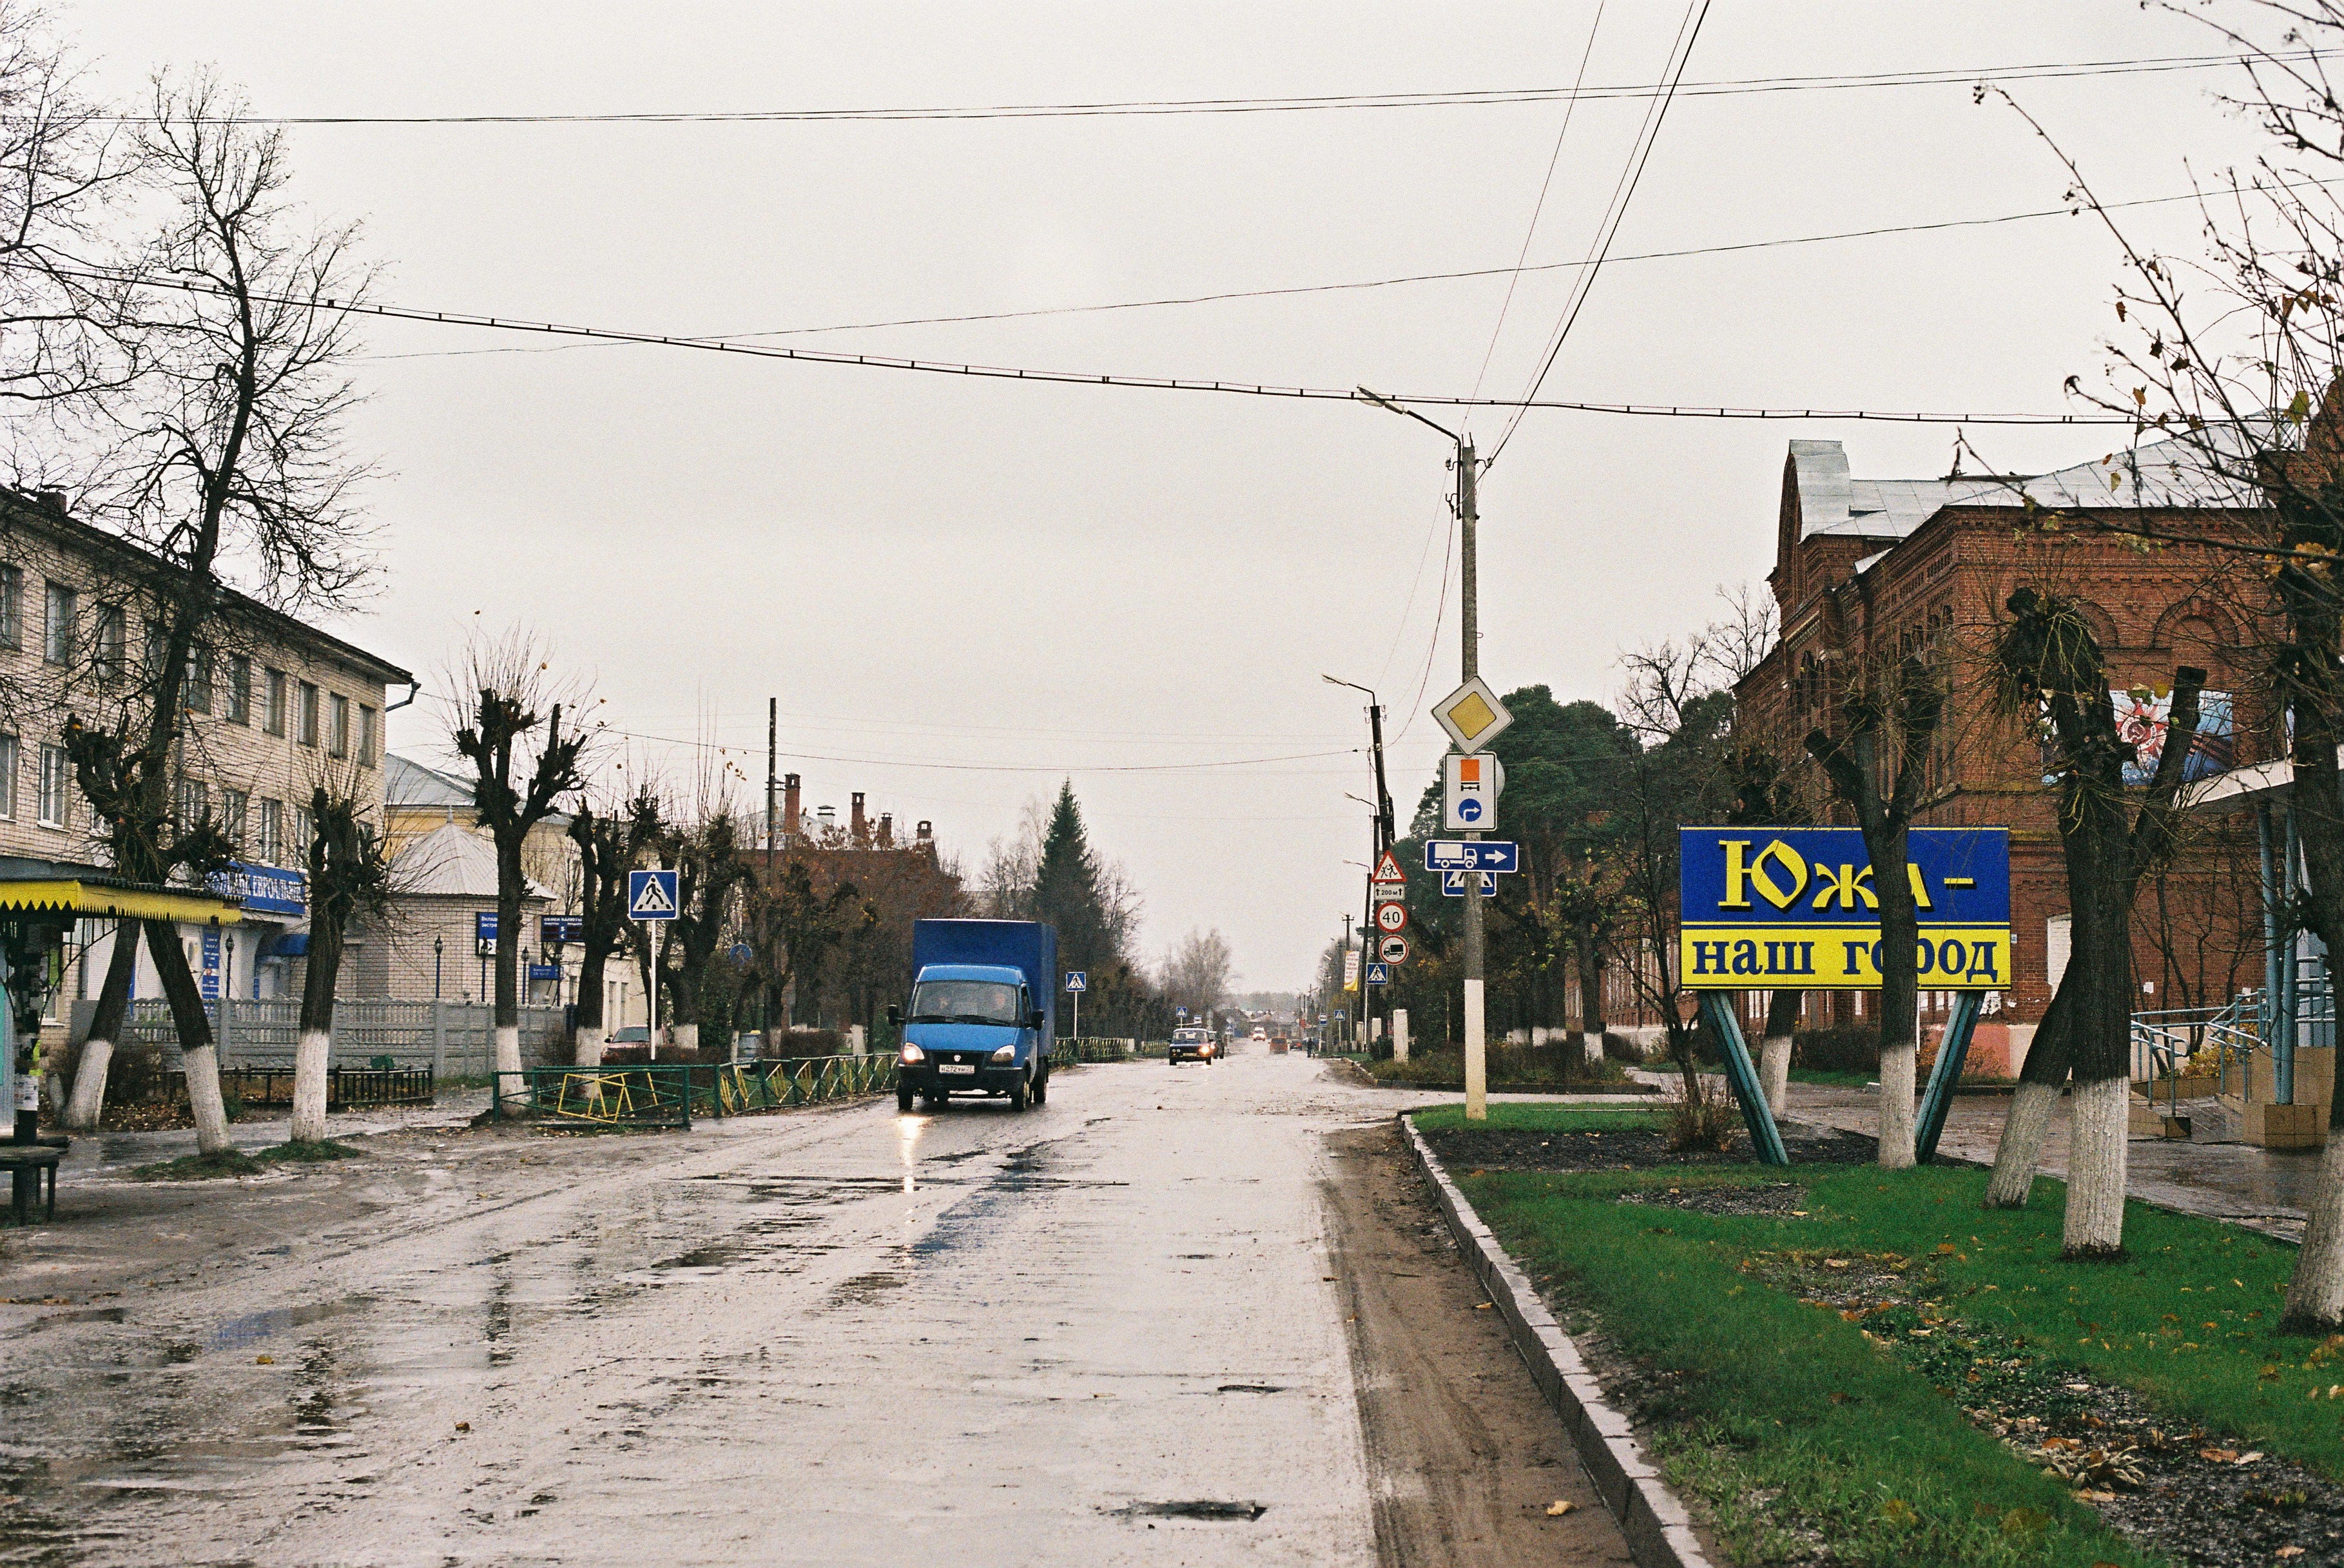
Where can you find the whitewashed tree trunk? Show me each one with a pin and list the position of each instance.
(2096, 1152)
(1775, 1070)
(202, 1066)
(507, 1047)
(1896, 1105)
(89, 1100)
(2314, 1293)
(2021, 1149)
(687, 1037)
(590, 1045)
(310, 1053)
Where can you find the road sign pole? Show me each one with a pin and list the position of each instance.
(1477, 1081)
(650, 1034)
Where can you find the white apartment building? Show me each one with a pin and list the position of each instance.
(274, 708)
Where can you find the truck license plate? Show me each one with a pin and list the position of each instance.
(966, 1067)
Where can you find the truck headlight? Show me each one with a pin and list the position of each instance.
(1005, 1054)
(912, 1056)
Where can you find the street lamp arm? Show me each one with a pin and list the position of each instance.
(1380, 400)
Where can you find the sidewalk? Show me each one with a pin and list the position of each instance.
(2263, 1190)
(110, 1153)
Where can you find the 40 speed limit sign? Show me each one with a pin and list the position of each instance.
(1392, 918)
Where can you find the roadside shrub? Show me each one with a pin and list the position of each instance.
(1841, 1050)
(1553, 1065)
(1701, 1116)
(1621, 1049)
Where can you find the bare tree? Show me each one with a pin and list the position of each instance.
(228, 451)
(1197, 972)
(349, 880)
(1899, 706)
(509, 728)
(608, 848)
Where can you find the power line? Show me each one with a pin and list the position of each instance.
(1522, 258)
(998, 767)
(1465, 274)
(1631, 176)
(1093, 379)
(1479, 97)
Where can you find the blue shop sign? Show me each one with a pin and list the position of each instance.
(263, 889)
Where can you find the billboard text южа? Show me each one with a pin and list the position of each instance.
(1793, 908)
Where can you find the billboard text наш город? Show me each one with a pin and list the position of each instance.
(1795, 908)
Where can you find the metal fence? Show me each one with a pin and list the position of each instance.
(1067, 1053)
(450, 1038)
(663, 1095)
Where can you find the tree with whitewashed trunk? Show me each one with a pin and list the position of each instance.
(349, 880)
(1765, 796)
(608, 848)
(523, 763)
(2048, 667)
(87, 1103)
(227, 449)
(1900, 704)
(2028, 1123)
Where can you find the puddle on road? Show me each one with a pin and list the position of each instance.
(235, 1333)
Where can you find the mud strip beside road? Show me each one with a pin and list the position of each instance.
(1464, 1457)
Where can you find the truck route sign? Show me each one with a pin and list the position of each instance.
(1794, 908)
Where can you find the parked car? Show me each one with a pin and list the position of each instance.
(1190, 1044)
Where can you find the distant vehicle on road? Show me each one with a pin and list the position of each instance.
(1190, 1044)
(1260, 1034)
(983, 1013)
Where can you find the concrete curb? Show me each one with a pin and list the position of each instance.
(1658, 1531)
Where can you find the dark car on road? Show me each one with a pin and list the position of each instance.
(1191, 1046)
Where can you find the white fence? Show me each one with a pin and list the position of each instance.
(449, 1037)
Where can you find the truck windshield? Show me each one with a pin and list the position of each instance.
(964, 1002)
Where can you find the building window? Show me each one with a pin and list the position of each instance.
(272, 705)
(190, 803)
(236, 706)
(158, 648)
(234, 810)
(8, 749)
(305, 832)
(57, 642)
(112, 633)
(201, 670)
(55, 776)
(271, 845)
(338, 734)
(366, 719)
(12, 607)
(307, 717)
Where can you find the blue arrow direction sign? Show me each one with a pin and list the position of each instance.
(1378, 974)
(1452, 884)
(1077, 981)
(1468, 855)
(650, 895)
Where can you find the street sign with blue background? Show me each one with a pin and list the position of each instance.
(1378, 974)
(650, 895)
(484, 930)
(556, 930)
(1795, 908)
(1077, 981)
(1468, 855)
(1452, 884)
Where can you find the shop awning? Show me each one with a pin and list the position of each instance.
(97, 899)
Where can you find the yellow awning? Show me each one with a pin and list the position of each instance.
(67, 896)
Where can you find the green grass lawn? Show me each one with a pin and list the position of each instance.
(1833, 1076)
(1515, 1116)
(1869, 1444)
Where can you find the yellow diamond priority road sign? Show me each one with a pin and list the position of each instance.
(1473, 715)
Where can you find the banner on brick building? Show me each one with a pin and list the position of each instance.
(1794, 908)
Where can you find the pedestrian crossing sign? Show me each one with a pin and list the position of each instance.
(650, 895)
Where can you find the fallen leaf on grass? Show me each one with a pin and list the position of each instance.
(2096, 1497)
(2288, 1552)
(2218, 1455)
(1557, 1509)
(1484, 1306)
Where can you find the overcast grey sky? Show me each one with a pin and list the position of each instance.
(873, 547)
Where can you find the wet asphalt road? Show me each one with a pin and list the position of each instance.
(838, 1337)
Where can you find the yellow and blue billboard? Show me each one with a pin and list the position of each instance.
(1794, 908)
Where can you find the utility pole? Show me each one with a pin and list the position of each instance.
(773, 834)
(1477, 1077)
(1346, 992)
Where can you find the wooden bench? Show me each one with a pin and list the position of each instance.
(25, 1164)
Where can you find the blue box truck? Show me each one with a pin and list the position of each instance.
(983, 1013)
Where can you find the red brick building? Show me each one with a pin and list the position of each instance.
(1874, 570)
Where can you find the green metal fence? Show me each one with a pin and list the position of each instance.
(606, 1097)
(745, 1088)
(1070, 1053)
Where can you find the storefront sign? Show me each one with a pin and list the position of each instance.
(263, 889)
